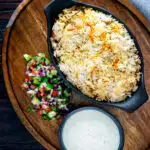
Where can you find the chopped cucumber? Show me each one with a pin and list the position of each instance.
(53, 118)
(48, 73)
(42, 60)
(44, 112)
(55, 80)
(61, 100)
(59, 88)
(53, 108)
(27, 57)
(54, 72)
(63, 107)
(66, 93)
(51, 114)
(42, 85)
(49, 87)
(35, 101)
(49, 96)
(44, 116)
(30, 108)
(39, 67)
(37, 80)
(59, 93)
(47, 61)
(60, 106)
(45, 79)
(50, 76)
(36, 90)
(31, 93)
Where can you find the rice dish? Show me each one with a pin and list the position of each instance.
(96, 53)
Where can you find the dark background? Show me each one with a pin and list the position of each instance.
(13, 135)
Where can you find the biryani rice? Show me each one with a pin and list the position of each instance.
(96, 53)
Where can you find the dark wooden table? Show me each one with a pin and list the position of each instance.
(13, 135)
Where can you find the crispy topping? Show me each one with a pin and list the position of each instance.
(115, 63)
(103, 36)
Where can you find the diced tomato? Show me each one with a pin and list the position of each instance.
(45, 94)
(33, 64)
(42, 90)
(55, 93)
(26, 80)
(39, 112)
(43, 63)
(33, 72)
(39, 94)
(27, 77)
(32, 69)
(48, 109)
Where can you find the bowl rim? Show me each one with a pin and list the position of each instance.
(108, 114)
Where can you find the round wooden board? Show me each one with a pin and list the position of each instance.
(27, 33)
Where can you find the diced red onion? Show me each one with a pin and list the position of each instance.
(55, 86)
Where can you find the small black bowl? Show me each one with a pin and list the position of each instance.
(120, 129)
(130, 104)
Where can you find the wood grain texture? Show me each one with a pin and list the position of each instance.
(27, 33)
(136, 12)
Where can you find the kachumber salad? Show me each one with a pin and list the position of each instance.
(96, 53)
(49, 96)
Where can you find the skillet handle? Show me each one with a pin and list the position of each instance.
(140, 97)
(137, 100)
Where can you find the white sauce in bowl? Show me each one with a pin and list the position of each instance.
(90, 129)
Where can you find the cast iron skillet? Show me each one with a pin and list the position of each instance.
(130, 104)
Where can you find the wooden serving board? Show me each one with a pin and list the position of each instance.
(27, 33)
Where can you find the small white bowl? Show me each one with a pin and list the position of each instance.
(91, 126)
